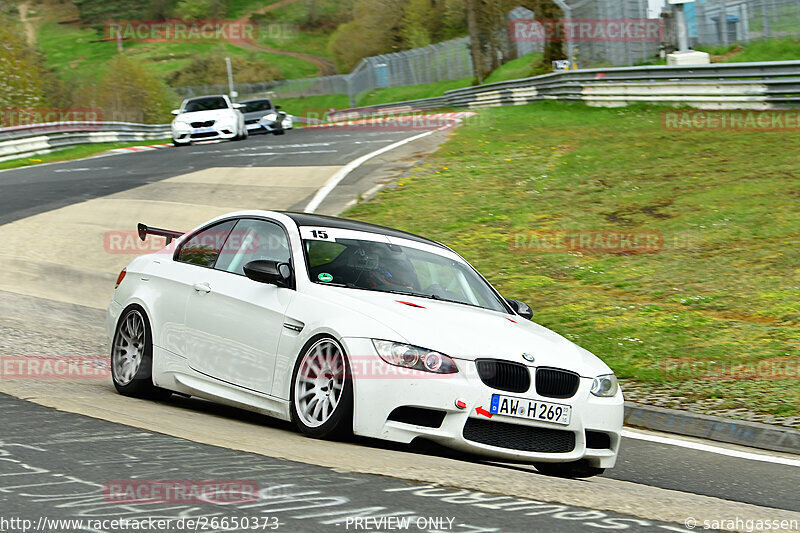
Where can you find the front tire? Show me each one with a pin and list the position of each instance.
(132, 356)
(322, 390)
(575, 469)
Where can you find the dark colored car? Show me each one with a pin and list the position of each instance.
(262, 116)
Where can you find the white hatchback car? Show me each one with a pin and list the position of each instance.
(207, 118)
(343, 326)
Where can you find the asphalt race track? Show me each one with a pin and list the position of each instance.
(61, 442)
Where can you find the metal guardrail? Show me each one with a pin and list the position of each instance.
(765, 85)
(759, 86)
(38, 139)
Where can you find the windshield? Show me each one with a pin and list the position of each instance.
(257, 105)
(205, 104)
(384, 267)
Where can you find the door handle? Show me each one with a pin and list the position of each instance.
(205, 288)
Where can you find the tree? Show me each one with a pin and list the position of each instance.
(548, 10)
(418, 18)
(21, 75)
(489, 32)
(211, 69)
(129, 92)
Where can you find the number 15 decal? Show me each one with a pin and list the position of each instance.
(319, 234)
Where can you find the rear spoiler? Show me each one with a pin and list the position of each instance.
(144, 231)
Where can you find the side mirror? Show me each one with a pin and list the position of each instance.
(270, 272)
(238, 106)
(522, 309)
(277, 107)
(176, 112)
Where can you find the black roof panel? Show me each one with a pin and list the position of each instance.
(308, 219)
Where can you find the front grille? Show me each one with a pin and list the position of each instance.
(597, 440)
(555, 383)
(418, 416)
(204, 135)
(505, 376)
(206, 124)
(520, 438)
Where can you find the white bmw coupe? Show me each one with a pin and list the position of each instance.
(346, 327)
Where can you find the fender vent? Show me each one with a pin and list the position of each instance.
(597, 440)
(418, 416)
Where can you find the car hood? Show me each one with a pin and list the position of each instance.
(257, 114)
(470, 333)
(202, 116)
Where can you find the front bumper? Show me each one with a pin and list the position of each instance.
(264, 127)
(380, 389)
(203, 134)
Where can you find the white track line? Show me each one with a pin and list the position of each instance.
(337, 178)
(709, 448)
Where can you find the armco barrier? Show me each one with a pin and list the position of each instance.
(768, 85)
(38, 139)
(756, 86)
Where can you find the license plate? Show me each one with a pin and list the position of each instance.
(203, 130)
(530, 409)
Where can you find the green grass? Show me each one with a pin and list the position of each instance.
(522, 67)
(725, 289)
(766, 50)
(290, 40)
(68, 50)
(240, 8)
(74, 152)
(413, 92)
(313, 106)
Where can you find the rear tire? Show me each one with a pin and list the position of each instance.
(321, 398)
(576, 469)
(132, 356)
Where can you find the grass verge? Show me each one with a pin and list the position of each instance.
(413, 92)
(74, 152)
(76, 53)
(522, 67)
(710, 322)
(786, 49)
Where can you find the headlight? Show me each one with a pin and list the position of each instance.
(414, 357)
(605, 386)
(181, 124)
(271, 117)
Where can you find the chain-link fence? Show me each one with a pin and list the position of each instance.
(597, 16)
(725, 22)
(280, 88)
(449, 60)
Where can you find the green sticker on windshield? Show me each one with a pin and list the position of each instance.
(325, 277)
